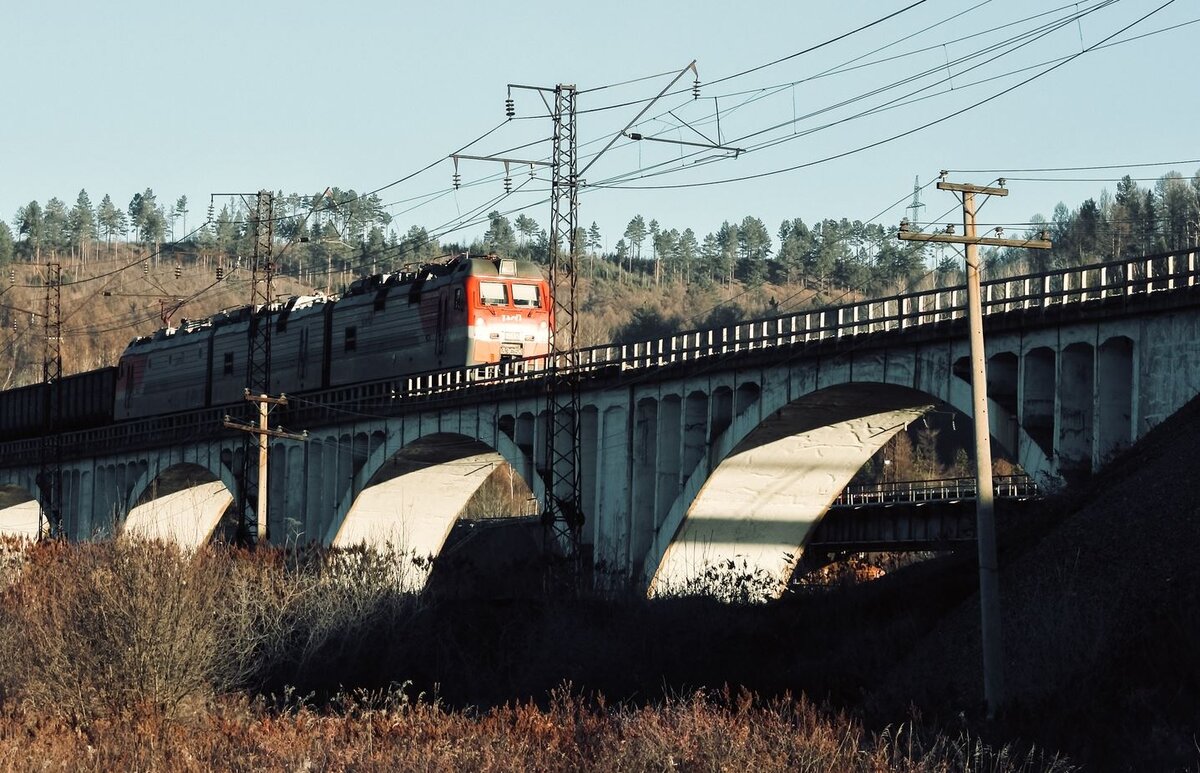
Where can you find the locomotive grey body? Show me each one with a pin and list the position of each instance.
(469, 311)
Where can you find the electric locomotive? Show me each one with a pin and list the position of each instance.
(468, 311)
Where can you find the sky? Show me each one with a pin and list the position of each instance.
(197, 99)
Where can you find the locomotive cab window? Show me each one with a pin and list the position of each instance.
(493, 293)
(351, 339)
(526, 296)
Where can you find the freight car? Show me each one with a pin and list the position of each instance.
(465, 312)
(84, 400)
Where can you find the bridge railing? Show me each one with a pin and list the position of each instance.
(945, 490)
(1045, 290)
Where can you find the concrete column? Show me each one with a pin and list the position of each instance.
(1076, 404)
(722, 415)
(1114, 397)
(314, 453)
(1037, 398)
(589, 454)
(643, 500)
(669, 440)
(695, 430)
(1002, 391)
(612, 517)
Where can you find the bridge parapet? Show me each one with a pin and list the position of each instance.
(1081, 285)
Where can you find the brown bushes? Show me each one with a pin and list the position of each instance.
(130, 655)
(111, 629)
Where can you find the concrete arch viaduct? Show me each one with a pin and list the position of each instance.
(699, 450)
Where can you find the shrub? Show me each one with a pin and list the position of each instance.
(110, 628)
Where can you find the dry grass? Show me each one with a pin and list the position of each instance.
(136, 655)
(695, 733)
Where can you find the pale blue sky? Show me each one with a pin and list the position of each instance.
(198, 98)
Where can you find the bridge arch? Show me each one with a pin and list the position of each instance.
(773, 468)
(182, 503)
(777, 470)
(19, 510)
(407, 498)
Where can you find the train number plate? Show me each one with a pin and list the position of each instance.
(511, 350)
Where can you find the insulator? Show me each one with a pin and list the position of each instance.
(510, 108)
(696, 89)
(211, 211)
(178, 270)
(145, 268)
(12, 276)
(508, 185)
(220, 273)
(457, 180)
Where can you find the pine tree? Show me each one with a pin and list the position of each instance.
(81, 222)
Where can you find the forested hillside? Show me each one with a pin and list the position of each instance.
(126, 269)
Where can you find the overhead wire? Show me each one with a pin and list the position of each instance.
(1028, 36)
(899, 135)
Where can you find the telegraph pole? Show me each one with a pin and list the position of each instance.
(989, 573)
(262, 431)
(258, 364)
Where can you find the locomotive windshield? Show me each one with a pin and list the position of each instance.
(493, 293)
(526, 296)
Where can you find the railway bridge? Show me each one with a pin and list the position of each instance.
(697, 450)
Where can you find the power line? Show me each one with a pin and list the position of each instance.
(1029, 36)
(893, 137)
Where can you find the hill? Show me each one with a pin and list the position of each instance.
(1101, 617)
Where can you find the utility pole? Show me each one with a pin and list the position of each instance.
(50, 474)
(263, 431)
(989, 573)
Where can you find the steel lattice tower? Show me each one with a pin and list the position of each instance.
(50, 474)
(562, 511)
(258, 351)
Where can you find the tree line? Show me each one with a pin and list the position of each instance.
(343, 232)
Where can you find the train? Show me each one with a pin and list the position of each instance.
(462, 312)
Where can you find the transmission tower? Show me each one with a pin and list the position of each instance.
(562, 510)
(562, 507)
(914, 209)
(258, 366)
(50, 474)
